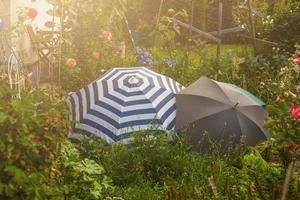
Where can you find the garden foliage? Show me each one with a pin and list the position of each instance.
(158, 168)
(283, 26)
(31, 131)
(38, 162)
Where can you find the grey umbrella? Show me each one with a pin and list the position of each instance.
(221, 109)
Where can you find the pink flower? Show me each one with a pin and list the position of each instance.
(119, 51)
(87, 50)
(295, 111)
(32, 13)
(71, 62)
(106, 36)
(297, 60)
(294, 148)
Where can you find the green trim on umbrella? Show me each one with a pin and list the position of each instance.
(250, 95)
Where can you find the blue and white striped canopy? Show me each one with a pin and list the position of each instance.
(125, 100)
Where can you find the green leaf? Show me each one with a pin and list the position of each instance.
(19, 175)
(273, 110)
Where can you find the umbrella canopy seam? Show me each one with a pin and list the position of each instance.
(259, 126)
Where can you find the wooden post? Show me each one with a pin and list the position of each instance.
(224, 31)
(130, 32)
(196, 30)
(261, 40)
(190, 33)
(191, 22)
(203, 14)
(159, 11)
(123, 16)
(220, 30)
(251, 24)
(61, 43)
(287, 180)
(51, 63)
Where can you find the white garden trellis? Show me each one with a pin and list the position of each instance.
(14, 70)
(14, 73)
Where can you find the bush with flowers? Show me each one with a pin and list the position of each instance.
(285, 112)
(92, 34)
(32, 129)
(155, 169)
(36, 160)
(32, 13)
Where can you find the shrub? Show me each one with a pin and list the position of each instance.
(31, 131)
(36, 161)
(82, 178)
(283, 27)
(152, 167)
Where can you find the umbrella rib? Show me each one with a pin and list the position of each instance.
(249, 106)
(222, 91)
(239, 123)
(246, 106)
(193, 95)
(218, 113)
(260, 128)
(212, 114)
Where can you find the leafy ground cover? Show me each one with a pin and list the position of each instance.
(37, 161)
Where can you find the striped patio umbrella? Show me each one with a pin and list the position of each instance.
(125, 100)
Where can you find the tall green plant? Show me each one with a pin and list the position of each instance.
(82, 178)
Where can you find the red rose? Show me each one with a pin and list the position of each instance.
(71, 62)
(294, 148)
(297, 60)
(295, 111)
(32, 13)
